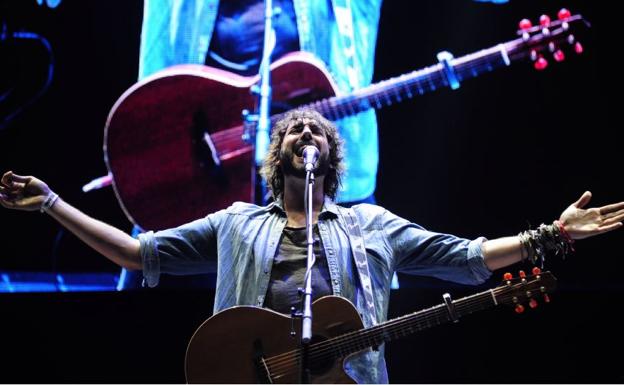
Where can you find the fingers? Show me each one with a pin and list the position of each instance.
(13, 188)
(6, 203)
(21, 179)
(604, 229)
(8, 192)
(6, 178)
(583, 200)
(28, 203)
(614, 219)
(9, 179)
(611, 208)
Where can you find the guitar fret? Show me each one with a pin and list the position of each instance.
(407, 89)
(397, 94)
(351, 107)
(327, 110)
(386, 95)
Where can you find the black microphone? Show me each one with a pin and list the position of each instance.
(310, 156)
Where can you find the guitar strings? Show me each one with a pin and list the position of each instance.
(290, 360)
(293, 364)
(466, 304)
(388, 326)
(338, 107)
(392, 324)
(331, 107)
(400, 323)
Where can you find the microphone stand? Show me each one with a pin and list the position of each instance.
(306, 327)
(263, 125)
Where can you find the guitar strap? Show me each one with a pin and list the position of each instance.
(344, 19)
(356, 240)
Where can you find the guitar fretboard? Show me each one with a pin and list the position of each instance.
(403, 326)
(395, 90)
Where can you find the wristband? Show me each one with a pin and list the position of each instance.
(48, 202)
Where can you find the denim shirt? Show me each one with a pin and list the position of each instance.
(240, 242)
(179, 32)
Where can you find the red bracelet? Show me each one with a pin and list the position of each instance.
(563, 232)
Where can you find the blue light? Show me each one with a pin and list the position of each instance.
(50, 3)
(37, 282)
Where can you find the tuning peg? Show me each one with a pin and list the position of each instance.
(578, 48)
(540, 64)
(519, 309)
(522, 274)
(546, 298)
(525, 24)
(544, 20)
(532, 303)
(533, 55)
(559, 56)
(552, 47)
(563, 14)
(536, 270)
(507, 276)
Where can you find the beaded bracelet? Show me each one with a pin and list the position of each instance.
(48, 202)
(546, 239)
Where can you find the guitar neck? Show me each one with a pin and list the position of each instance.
(431, 78)
(419, 82)
(409, 324)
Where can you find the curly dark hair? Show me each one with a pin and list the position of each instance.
(272, 172)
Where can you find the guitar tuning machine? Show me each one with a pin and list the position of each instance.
(533, 303)
(558, 54)
(578, 47)
(541, 63)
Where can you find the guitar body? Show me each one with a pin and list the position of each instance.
(224, 348)
(247, 344)
(173, 142)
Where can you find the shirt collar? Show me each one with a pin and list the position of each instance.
(329, 206)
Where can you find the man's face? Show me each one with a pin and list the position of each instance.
(303, 132)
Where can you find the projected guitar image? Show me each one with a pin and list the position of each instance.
(179, 135)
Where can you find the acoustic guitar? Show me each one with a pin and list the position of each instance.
(246, 344)
(174, 142)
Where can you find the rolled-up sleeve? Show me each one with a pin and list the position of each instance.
(149, 256)
(188, 249)
(444, 256)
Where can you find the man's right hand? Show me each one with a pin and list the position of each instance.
(22, 192)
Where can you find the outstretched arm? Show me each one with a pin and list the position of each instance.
(576, 221)
(29, 194)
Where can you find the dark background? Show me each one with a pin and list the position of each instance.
(506, 151)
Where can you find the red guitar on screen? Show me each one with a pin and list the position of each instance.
(174, 141)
